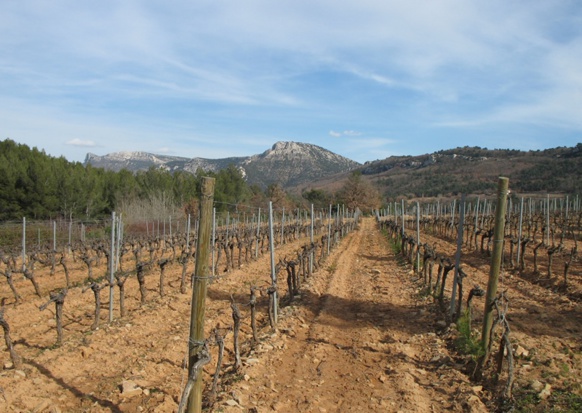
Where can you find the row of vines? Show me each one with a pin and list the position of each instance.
(444, 243)
(53, 274)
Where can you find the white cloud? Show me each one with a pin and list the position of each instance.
(344, 133)
(80, 142)
(195, 65)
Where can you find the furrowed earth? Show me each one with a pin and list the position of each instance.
(360, 337)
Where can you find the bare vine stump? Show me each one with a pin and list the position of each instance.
(535, 256)
(184, 258)
(121, 278)
(551, 251)
(29, 275)
(253, 304)
(289, 279)
(447, 267)
(162, 264)
(140, 268)
(571, 257)
(219, 338)
(524, 243)
(236, 318)
(59, 299)
(89, 263)
(63, 263)
(8, 275)
(459, 308)
(96, 288)
(476, 291)
(16, 360)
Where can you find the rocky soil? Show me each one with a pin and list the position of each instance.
(362, 336)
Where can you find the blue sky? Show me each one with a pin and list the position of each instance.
(365, 79)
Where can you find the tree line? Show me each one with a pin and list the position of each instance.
(38, 186)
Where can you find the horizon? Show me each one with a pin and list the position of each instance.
(218, 79)
(271, 146)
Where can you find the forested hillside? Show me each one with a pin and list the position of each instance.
(38, 186)
(475, 170)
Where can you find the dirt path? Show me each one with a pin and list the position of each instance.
(357, 340)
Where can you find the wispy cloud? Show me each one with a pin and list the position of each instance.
(217, 74)
(344, 133)
(80, 142)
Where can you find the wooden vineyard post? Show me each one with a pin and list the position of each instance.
(329, 231)
(23, 244)
(111, 267)
(311, 257)
(497, 253)
(417, 265)
(273, 271)
(458, 254)
(199, 286)
(258, 233)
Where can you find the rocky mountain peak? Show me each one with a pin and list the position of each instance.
(285, 163)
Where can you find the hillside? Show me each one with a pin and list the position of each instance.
(471, 170)
(286, 163)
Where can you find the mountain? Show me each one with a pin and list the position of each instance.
(470, 170)
(286, 163)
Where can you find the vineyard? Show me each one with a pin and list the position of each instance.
(54, 306)
(377, 313)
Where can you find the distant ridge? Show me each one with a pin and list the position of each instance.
(286, 163)
(470, 170)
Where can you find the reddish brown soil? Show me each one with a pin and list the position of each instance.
(361, 337)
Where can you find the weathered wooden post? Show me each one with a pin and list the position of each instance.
(199, 286)
(502, 191)
(329, 230)
(311, 257)
(111, 267)
(23, 243)
(273, 270)
(458, 254)
(417, 266)
(258, 233)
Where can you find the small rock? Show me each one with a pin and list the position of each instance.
(34, 404)
(19, 373)
(232, 403)
(477, 389)
(475, 405)
(520, 351)
(537, 386)
(8, 365)
(168, 405)
(545, 393)
(130, 389)
(376, 271)
(252, 361)
(441, 323)
(86, 352)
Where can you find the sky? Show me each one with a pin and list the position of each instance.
(365, 79)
